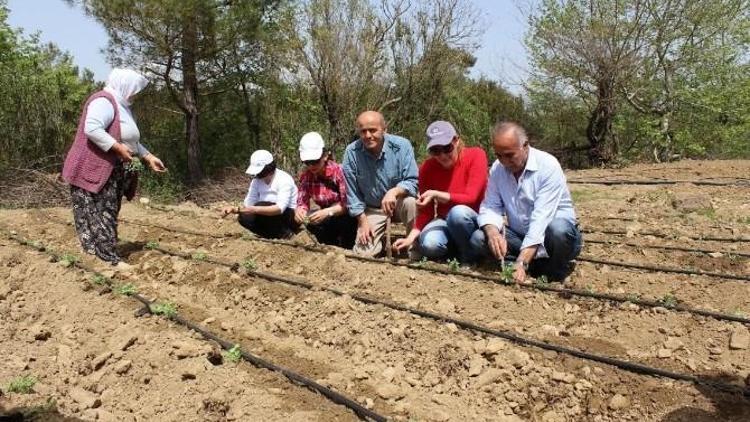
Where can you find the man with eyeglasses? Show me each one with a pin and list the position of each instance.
(540, 234)
(381, 181)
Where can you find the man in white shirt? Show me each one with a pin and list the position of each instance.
(540, 235)
(268, 209)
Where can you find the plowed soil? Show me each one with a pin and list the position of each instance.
(95, 358)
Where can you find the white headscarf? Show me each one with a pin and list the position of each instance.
(122, 83)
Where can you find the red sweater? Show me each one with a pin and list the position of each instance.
(465, 182)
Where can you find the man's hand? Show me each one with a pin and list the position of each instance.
(155, 163)
(428, 196)
(299, 215)
(519, 275)
(122, 152)
(388, 204)
(496, 241)
(365, 235)
(318, 216)
(228, 210)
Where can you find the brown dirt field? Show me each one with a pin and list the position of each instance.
(62, 331)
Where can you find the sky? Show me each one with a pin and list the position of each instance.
(502, 56)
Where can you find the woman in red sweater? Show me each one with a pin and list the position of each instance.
(451, 187)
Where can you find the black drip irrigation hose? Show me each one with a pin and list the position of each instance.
(335, 397)
(661, 269)
(668, 236)
(564, 292)
(738, 182)
(471, 326)
(671, 248)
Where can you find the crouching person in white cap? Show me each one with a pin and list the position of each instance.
(268, 210)
(323, 182)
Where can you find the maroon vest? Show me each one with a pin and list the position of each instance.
(86, 165)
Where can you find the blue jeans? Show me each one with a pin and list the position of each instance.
(450, 237)
(562, 240)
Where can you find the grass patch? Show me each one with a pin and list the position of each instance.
(69, 260)
(584, 195)
(126, 289)
(199, 256)
(454, 265)
(234, 354)
(167, 309)
(100, 280)
(541, 281)
(668, 300)
(22, 385)
(709, 213)
(249, 264)
(151, 245)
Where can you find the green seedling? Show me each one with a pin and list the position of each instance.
(200, 256)
(126, 289)
(100, 280)
(22, 385)
(234, 354)
(135, 165)
(249, 264)
(668, 301)
(37, 245)
(421, 263)
(152, 244)
(541, 281)
(167, 309)
(633, 297)
(590, 288)
(69, 260)
(454, 265)
(506, 274)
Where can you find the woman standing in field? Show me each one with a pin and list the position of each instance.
(106, 140)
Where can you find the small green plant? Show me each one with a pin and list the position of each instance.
(633, 297)
(249, 264)
(69, 260)
(199, 256)
(506, 274)
(22, 385)
(126, 289)
(37, 245)
(167, 309)
(454, 265)
(152, 244)
(135, 165)
(100, 280)
(590, 288)
(421, 263)
(234, 354)
(541, 281)
(668, 301)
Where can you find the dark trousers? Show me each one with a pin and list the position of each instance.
(340, 230)
(280, 226)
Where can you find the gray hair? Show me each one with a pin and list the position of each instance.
(518, 131)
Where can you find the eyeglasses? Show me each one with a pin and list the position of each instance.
(309, 163)
(441, 149)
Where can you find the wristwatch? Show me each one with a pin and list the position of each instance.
(525, 265)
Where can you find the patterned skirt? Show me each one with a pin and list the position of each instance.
(95, 216)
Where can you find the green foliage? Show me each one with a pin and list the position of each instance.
(454, 265)
(151, 244)
(127, 289)
(249, 264)
(69, 260)
(100, 280)
(541, 281)
(506, 274)
(199, 256)
(167, 309)
(668, 301)
(421, 263)
(633, 297)
(234, 354)
(22, 385)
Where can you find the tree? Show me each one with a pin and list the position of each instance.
(590, 47)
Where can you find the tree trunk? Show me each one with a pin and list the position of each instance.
(190, 92)
(599, 128)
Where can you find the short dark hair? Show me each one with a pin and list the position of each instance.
(268, 169)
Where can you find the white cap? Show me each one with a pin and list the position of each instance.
(258, 160)
(311, 146)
